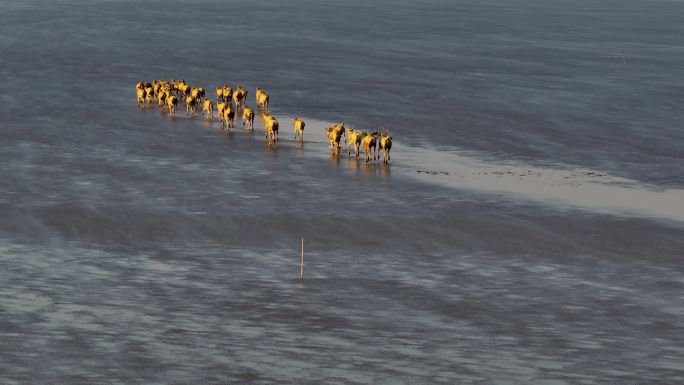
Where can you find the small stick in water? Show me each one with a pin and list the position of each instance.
(301, 263)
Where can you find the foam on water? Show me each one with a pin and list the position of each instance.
(581, 188)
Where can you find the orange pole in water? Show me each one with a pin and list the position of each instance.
(301, 263)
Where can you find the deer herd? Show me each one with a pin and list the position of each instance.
(229, 102)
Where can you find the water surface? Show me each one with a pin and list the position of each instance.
(528, 229)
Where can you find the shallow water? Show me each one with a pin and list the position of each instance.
(528, 228)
